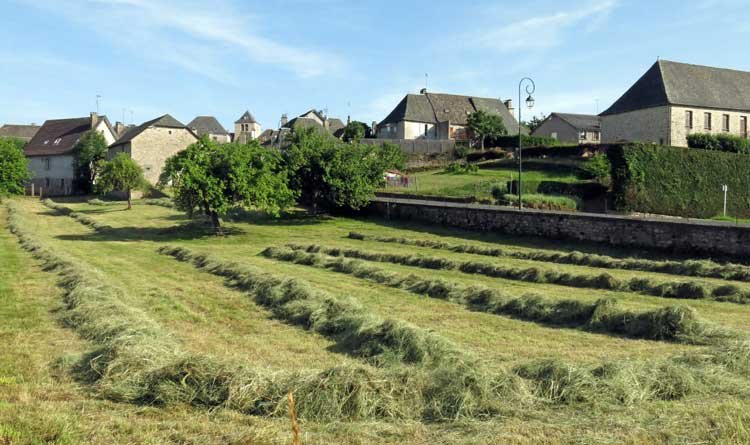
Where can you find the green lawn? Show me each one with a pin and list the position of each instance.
(40, 402)
(479, 184)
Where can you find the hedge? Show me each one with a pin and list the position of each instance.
(511, 141)
(584, 190)
(720, 142)
(677, 181)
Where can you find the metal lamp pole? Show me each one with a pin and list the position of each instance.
(530, 88)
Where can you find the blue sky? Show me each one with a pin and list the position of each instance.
(222, 57)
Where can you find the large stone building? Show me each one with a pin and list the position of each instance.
(152, 143)
(571, 128)
(673, 100)
(246, 128)
(440, 116)
(208, 125)
(16, 131)
(51, 151)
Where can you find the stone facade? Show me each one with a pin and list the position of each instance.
(152, 147)
(646, 125)
(680, 128)
(709, 238)
(246, 132)
(557, 128)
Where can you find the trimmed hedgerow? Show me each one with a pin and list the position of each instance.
(673, 323)
(676, 181)
(646, 286)
(694, 268)
(80, 217)
(719, 142)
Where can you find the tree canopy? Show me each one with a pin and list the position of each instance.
(121, 173)
(215, 178)
(14, 167)
(534, 123)
(483, 125)
(90, 153)
(355, 131)
(330, 174)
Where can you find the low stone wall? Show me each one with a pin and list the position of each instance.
(673, 235)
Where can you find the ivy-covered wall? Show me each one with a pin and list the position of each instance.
(679, 181)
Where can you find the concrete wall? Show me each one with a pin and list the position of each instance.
(58, 179)
(679, 130)
(710, 238)
(647, 125)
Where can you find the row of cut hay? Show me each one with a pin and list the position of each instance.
(546, 382)
(673, 323)
(693, 268)
(136, 361)
(646, 286)
(162, 202)
(80, 217)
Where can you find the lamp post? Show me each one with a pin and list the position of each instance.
(530, 88)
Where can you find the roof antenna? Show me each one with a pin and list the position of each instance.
(97, 103)
(426, 77)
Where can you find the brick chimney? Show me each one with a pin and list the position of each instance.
(119, 128)
(94, 120)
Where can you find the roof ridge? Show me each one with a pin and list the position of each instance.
(663, 80)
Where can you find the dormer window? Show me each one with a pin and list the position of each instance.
(57, 141)
(46, 142)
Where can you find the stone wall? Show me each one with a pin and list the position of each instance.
(647, 125)
(155, 145)
(680, 130)
(673, 235)
(54, 174)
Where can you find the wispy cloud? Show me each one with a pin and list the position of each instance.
(540, 32)
(202, 37)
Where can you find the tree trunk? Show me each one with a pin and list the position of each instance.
(130, 204)
(216, 223)
(482, 143)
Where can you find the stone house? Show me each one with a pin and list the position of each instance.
(312, 118)
(440, 116)
(50, 151)
(208, 125)
(672, 100)
(246, 128)
(152, 143)
(22, 132)
(571, 128)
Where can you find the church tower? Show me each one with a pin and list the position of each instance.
(246, 128)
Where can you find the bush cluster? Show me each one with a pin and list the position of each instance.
(719, 142)
(511, 141)
(461, 168)
(673, 323)
(693, 268)
(675, 181)
(541, 202)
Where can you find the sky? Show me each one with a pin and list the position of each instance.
(145, 58)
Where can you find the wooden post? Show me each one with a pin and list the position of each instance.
(293, 418)
(40, 192)
(32, 189)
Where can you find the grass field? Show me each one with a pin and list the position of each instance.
(479, 184)
(241, 328)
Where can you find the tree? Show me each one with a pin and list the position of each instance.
(355, 131)
(90, 153)
(14, 167)
(484, 125)
(534, 123)
(215, 178)
(328, 173)
(121, 173)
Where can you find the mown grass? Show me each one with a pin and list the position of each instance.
(696, 397)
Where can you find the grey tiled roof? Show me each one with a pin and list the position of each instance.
(60, 136)
(161, 121)
(580, 121)
(246, 118)
(25, 132)
(673, 83)
(206, 125)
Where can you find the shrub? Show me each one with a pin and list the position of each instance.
(675, 181)
(597, 167)
(544, 202)
(14, 167)
(720, 142)
(461, 168)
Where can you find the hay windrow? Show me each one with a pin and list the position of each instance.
(604, 281)
(80, 217)
(673, 323)
(692, 268)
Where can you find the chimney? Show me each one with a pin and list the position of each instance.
(284, 120)
(119, 128)
(509, 105)
(423, 91)
(374, 128)
(94, 120)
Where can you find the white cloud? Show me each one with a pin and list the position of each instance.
(540, 32)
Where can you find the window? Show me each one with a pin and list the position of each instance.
(707, 121)
(46, 182)
(46, 163)
(425, 130)
(596, 135)
(743, 126)
(62, 183)
(57, 141)
(553, 135)
(689, 120)
(725, 122)
(46, 141)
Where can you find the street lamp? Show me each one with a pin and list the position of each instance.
(530, 88)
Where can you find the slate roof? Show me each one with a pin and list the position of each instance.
(246, 118)
(438, 107)
(166, 121)
(206, 125)
(335, 126)
(674, 83)
(586, 122)
(60, 136)
(24, 132)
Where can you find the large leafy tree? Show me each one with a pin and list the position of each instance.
(90, 153)
(123, 174)
(486, 125)
(215, 178)
(329, 174)
(14, 167)
(535, 122)
(355, 131)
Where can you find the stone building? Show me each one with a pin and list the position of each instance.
(246, 128)
(672, 100)
(310, 119)
(440, 116)
(16, 131)
(51, 151)
(152, 143)
(571, 128)
(208, 125)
